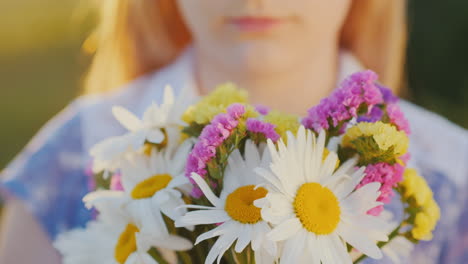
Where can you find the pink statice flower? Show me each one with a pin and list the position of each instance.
(116, 182)
(211, 137)
(267, 129)
(388, 175)
(357, 90)
(90, 174)
(236, 110)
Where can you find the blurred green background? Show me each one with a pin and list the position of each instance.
(41, 62)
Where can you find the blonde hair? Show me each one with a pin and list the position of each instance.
(135, 37)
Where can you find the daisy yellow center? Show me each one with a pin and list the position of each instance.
(240, 207)
(150, 186)
(126, 244)
(317, 208)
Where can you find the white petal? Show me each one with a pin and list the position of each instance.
(315, 249)
(294, 247)
(220, 247)
(252, 155)
(202, 217)
(363, 199)
(259, 238)
(270, 178)
(146, 259)
(106, 201)
(147, 217)
(126, 118)
(168, 242)
(398, 249)
(206, 190)
(349, 185)
(327, 168)
(180, 157)
(371, 226)
(169, 208)
(334, 251)
(217, 231)
(168, 95)
(276, 207)
(178, 181)
(244, 237)
(360, 242)
(285, 230)
(155, 136)
(263, 257)
(153, 116)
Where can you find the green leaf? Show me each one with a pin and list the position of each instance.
(193, 130)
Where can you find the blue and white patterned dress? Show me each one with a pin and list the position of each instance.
(49, 174)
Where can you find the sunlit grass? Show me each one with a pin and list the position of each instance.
(41, 66)
(28, 25)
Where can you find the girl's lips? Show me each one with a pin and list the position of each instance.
(254, 24)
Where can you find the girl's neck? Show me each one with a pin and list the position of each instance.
(293, 91)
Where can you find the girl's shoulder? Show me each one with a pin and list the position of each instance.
(48, 174)
(437, 142)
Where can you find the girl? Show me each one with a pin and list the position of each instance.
(287, 54)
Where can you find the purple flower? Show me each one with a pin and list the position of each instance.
(267, 129)
(261, 109)
(398, 118)
(387, 94)
(373, 116)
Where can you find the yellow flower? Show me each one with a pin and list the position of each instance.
(432, 209)
(416, 186)
(214, 103)
(385, 135)
(250, 112)
(426, 221)
(284, 122)
(422, 229)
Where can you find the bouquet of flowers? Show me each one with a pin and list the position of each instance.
(222, 180)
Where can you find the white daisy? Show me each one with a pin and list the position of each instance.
(399, 248)
(159, 125)
(114, 238)
(240, 219)
(154, 119)
(151, 187)
(316, 210)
